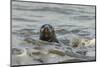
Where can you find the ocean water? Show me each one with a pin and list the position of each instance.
(74, 24)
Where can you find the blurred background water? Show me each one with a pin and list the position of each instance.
(69, 21)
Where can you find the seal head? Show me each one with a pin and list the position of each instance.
(47, 33)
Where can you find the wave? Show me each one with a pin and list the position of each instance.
(45, 52)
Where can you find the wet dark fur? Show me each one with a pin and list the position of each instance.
(47, 33)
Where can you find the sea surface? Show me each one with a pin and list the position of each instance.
(74, 24)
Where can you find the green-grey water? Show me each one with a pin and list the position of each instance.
(71, 22)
